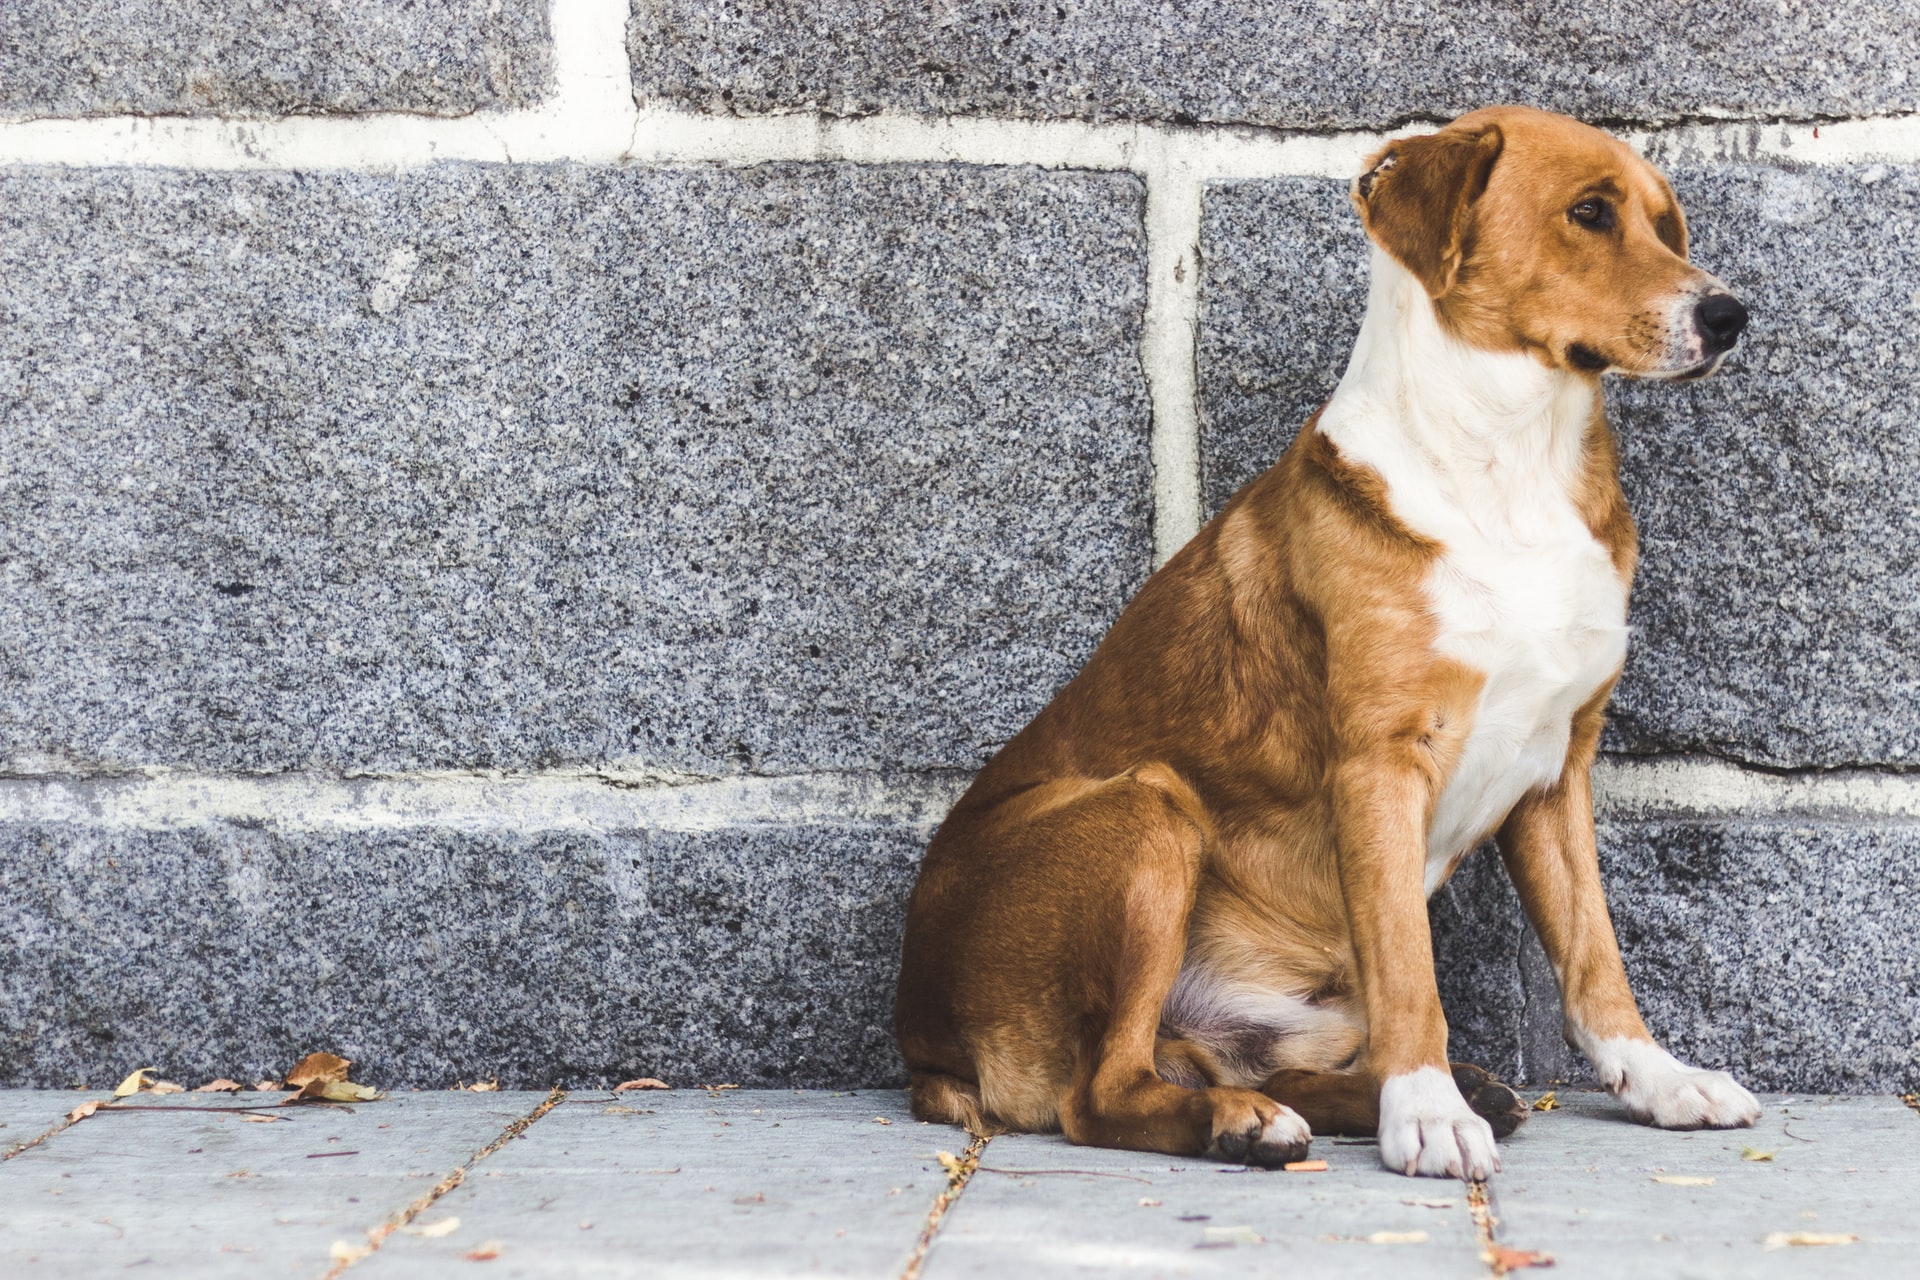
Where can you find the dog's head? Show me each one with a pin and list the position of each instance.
(1534, 232)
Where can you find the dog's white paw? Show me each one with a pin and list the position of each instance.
(1427, 1129)
(1660, 1090)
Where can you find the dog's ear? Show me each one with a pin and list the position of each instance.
(1416, 198)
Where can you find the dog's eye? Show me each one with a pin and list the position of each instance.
(1595, 213)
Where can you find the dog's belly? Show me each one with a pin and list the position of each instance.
(1252, 1031)
(1546, 626)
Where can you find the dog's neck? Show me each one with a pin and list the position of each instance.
(1458, 432)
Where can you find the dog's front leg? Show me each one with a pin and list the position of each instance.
(1426, 1126)
(1550, 851)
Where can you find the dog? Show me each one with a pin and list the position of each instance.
(1185, 909)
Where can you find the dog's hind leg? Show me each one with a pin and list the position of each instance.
(1153, 823)
(1348, 1102)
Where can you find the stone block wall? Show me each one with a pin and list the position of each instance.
(515, 521)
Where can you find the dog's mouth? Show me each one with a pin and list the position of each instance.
(1708, 366)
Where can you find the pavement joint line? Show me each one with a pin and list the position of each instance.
(59, 1126)
(377, 1235)
(959, 1173)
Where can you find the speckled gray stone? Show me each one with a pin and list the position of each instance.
(1777, 607)
(759, 954)
(1311, 63)
(714, 470)
(245, 58)
(1780, 951)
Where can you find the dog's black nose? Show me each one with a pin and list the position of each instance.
(1721, 317)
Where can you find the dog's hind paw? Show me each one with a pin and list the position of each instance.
(1260, 1132)
(1492, 1099)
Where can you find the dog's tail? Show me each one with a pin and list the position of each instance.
(943, 1099)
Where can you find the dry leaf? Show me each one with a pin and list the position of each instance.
(1548, 1101)
(485, 1253)
(434, 1230)
(1754, 1153)
(335, 1091)
(881, 1120)
(1397, 1237)
(490, 1086)
(1234, 1235)
(1505, 1260)
(318, 1066)
(267, 1086)
(1781, 1239)
(645, 1082)
(261, 1119)
(1305, 1166)
(222, 1085)
(167, 1086)
(1424, 1202)
(715, 1088)
(133, 1083)
(1149, 1204)
(948, 1161)
(82, 1111)
(1682, 1180)
(344, 1251)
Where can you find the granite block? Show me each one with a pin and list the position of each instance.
(762, 954)
(1777, 606)
(293, 57)
(744, 470)
(1289, 63)
(1780, 951)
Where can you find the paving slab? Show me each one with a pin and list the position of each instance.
(735, 1183)
(204, 1193)
(1582, 1186)
(26, 1114)
(1041, 1207)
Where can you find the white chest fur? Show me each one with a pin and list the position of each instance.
(1481, 452)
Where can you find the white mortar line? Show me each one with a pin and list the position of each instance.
(1625, 790)
(507, 803)
(1168, 353)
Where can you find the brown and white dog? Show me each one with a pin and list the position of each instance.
(1185, 909)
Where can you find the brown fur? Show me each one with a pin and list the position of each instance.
(1244, 771)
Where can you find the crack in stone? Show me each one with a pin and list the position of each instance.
(959, 1173)
(60, 1126)
(377, 1236)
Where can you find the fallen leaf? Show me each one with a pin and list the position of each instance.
(485, 1253)
(434, 1230)
(1682, 1180)
(166, 1086)
(1504, 1260)
(335, 1091)
(645, 1082)
(1754, 1153)
(950, 1162)
(490, 1086)
(82, 1111)
(1781, 1239)
(1305, 1166)
(1234, 1235)
(267, 1086)
(133, 1083)
(1397, 1237)
(1548, 1101)
(715, 1088)
(1150, 1204)
(261, 1119)
(1423, 1202)
(345, 1251)
(881, 1120)
(318, 1066)
(222, 1085)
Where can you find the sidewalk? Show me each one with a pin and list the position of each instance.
(750, 1183)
